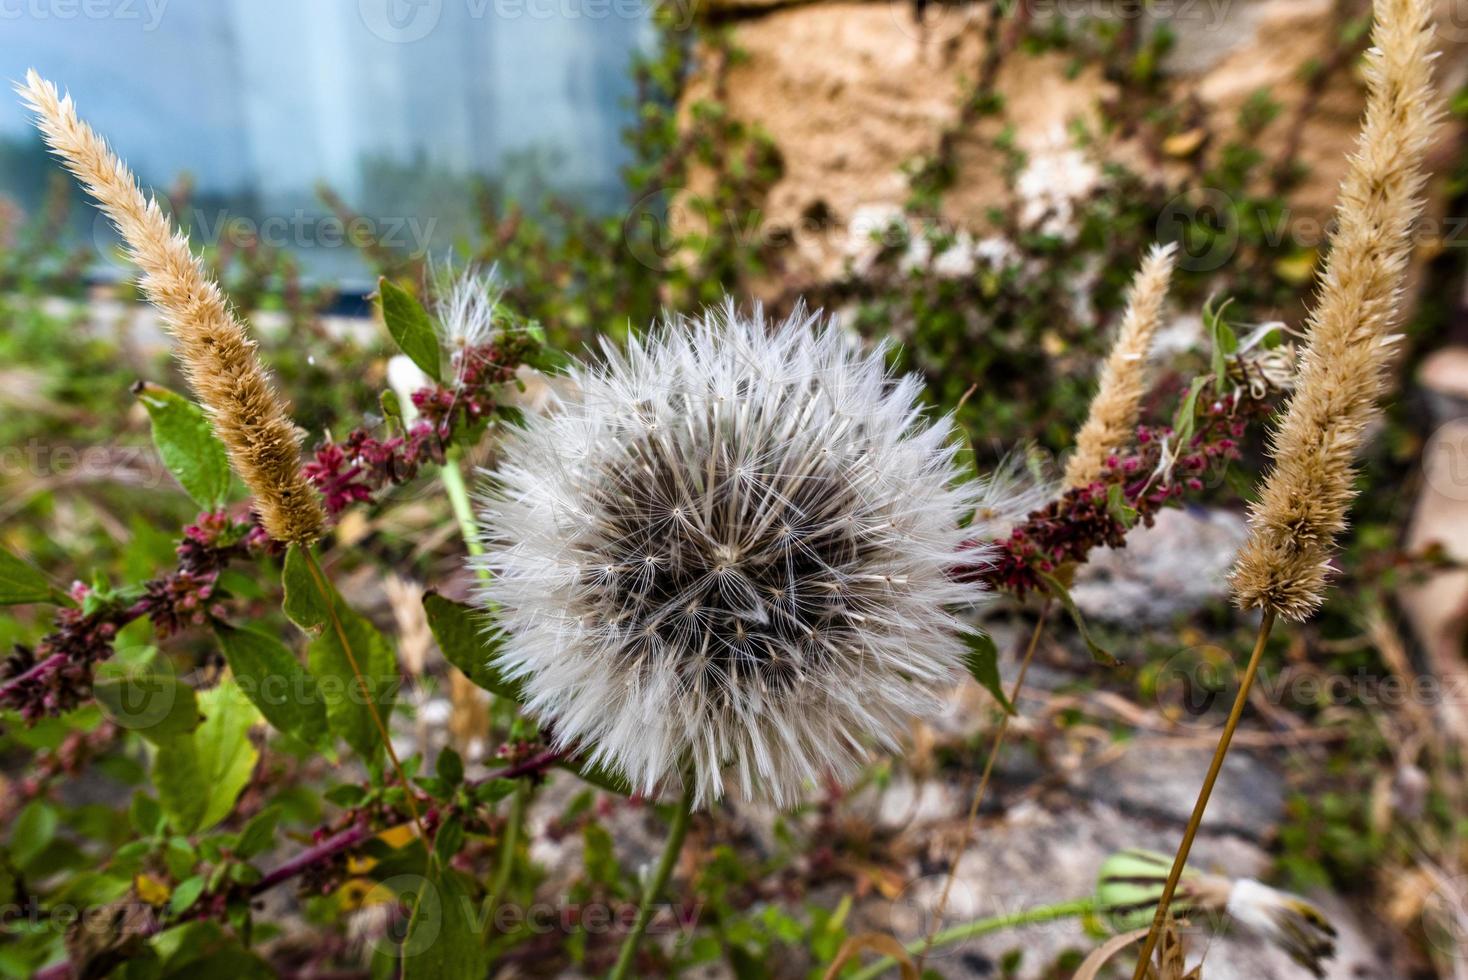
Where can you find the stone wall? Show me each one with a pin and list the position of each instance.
(851, 92)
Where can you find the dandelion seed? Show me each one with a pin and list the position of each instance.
(729, 557)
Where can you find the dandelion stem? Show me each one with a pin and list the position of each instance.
(458, 494)
(982, 927)
(973, 809)
(671, 849)
(328, 599)
(1266, 625)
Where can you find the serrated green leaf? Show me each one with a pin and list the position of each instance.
(467, 642)
(410, 327)
(443, 938)
(199, 775)
(258, 834)
(450, 767)
(982, 661)
(269, 674)
(21, 583)
(1063, 596)
(342, 642)
(146, 699)
(187, 444)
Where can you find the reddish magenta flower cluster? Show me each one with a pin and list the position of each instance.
(1136, 486)
(56, 675)
(351, 472)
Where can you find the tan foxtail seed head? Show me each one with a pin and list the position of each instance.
(218, 356)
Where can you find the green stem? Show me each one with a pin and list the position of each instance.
(983, 927)
(508, 845)
(671, 849)
(458, 493)
(328, 595)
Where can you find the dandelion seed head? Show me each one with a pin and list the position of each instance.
(727, 559)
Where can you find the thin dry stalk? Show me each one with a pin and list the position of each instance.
(1113, 414)
(218, 357)
(1283, 569)
(978, 798)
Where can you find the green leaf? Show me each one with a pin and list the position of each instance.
(341, 637)
(410, 327)
(465, 637)
(186, 894)
(283, 690)
(982, 661)
(1117, 506)
(202, 950)
(450, 767)
(494, 790)
(1224, 341)
(1187, 416)
(199, 775)
(443, 938)
(21, 583)
(147, 699)
(1061, 593)
(597, 775)
(33, 832)
(187, 443)
(146, 815)
(258, 834)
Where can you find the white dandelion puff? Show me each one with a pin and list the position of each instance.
(727, 559)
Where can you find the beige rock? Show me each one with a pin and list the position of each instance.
(853, 92)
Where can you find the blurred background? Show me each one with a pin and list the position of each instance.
(263, 104)
(976, 180)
